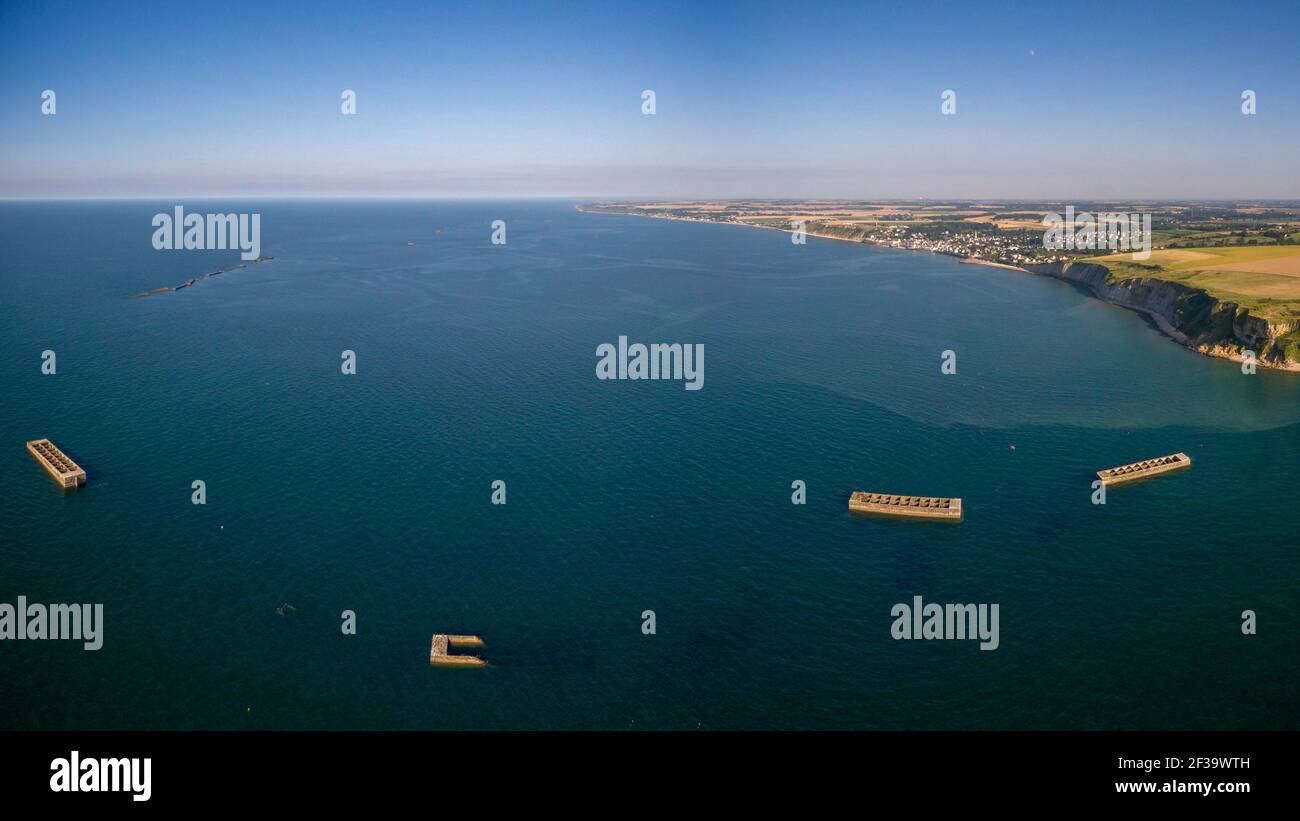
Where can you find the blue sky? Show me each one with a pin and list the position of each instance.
(1124, 100)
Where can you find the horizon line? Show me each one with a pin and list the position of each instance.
(638, 199)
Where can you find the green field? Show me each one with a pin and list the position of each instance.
(1264, 279)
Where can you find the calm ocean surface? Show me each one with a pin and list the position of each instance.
(475, 363)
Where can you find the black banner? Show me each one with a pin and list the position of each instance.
(218, 769)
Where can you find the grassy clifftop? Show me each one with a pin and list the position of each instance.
(1264, 280)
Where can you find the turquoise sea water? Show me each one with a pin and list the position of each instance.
(477, 362)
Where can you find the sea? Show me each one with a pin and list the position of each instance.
(628, 504)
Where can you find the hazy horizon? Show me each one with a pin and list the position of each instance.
(751, 102)
(633, 199)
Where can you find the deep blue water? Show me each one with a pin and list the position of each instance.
(477, 362)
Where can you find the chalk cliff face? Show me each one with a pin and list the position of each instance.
(1190, 315)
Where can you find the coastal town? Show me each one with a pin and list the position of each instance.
(1007, 248)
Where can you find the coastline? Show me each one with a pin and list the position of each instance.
(1166, 327)
(992, 264)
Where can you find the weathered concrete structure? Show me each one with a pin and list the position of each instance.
(1141, 470)
(921, 507)
(439, 651)
(65, 471)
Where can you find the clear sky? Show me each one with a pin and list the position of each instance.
(1090, 100)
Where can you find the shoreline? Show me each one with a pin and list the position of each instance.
(1162, 324)
(864, 241)
(992, 264)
